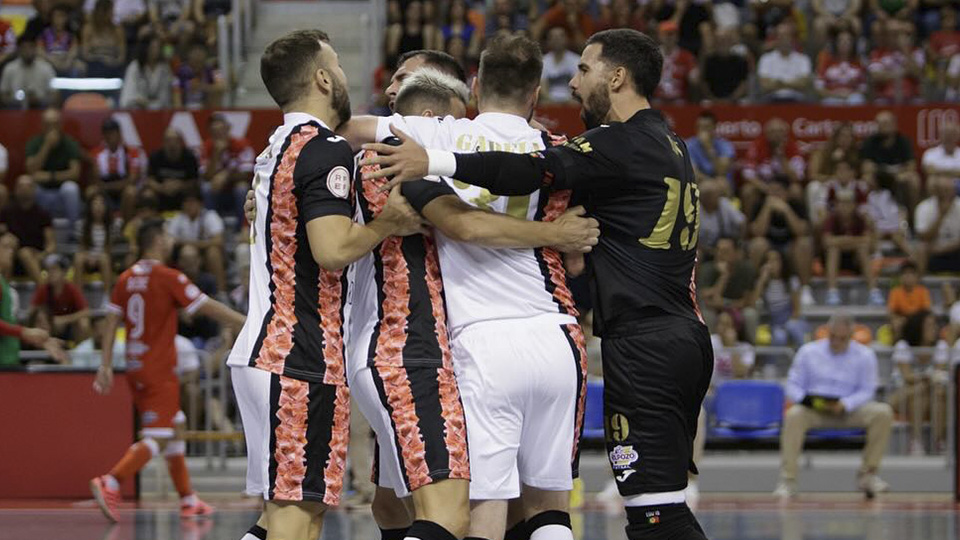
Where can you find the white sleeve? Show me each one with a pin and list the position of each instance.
(953, 70)
(927, 157)
(429, 132)
(214, 223)
(4, 158)
(764, 67)
(924, 216)
(955, 313)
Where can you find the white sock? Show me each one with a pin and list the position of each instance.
(111, 482)
(189, 500)
(552, 532)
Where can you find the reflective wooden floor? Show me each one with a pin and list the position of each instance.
(739, 517)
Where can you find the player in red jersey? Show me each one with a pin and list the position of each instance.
(146, 298)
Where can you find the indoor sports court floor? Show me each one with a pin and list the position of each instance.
(840, 517)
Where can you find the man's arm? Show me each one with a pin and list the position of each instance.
(797, 379)
(49, 240)
(464, 223)
(104, 380)
(867, 387)
(359, 130)
(221, 313)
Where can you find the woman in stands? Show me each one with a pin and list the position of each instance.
(458, 26)
(103, 42)
(96, 243)
(58, 43)
(921, 377)
(781, 295)
(148, 83)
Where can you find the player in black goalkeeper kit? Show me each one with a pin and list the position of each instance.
(634, 176)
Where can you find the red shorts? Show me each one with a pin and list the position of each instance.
(158, 406)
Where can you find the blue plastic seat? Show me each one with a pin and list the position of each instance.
(826, 434)
(748, 410)
(593, 416)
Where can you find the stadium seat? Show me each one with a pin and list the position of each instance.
(593, 416)
(748, 410)
(834, 434)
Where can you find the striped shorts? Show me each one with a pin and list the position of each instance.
(417, 416)
(309, 432)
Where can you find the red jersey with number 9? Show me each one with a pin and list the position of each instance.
(148, 296)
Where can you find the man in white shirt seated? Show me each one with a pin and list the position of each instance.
(832, 384)
(945, 158)
(785, 74)
(203, 229)
(937, 224)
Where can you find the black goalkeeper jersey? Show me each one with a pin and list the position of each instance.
(636, 179)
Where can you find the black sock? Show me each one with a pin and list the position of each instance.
(517, 532)
(257, 532)
(393, 534)
(550, 517)
(674, 521)
(428, 530)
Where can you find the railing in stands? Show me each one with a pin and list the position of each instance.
(234, 32)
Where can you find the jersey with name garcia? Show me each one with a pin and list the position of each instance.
(295, 320)
(481, 283)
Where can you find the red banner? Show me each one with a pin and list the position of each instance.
(57, 434)
(809, 124)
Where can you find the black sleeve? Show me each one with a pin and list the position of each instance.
(193, 168)
(583, 162)
(152, 165)
(323, 179)
(421, 192)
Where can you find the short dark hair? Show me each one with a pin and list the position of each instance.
(707, 114)
(909, 266)
(193, 193)
(510, 67)
(109, 125)
(148, 233)
(25, 39)
(439, 60)
(287, 63)
(636, 52)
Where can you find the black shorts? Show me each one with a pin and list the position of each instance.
(309, 432)
(655, 377)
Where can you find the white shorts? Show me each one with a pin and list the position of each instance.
(523, 385)
(252, 388)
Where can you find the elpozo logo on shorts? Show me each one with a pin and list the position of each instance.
(622, 457)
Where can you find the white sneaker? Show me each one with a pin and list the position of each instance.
(871, 485)
(786, 490)
(876, 297)
(806, 297)
(833, 297)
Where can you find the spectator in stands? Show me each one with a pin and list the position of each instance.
(885, 12)
(505, 17)
(896, 64)
(951, 79)
(240, 295)
(4, 166)
(780, 223)
(937, 224)
(726, 284)
(58, 305)
(148, 82)
(559, 66)
(888, 217)
(147, 210)
(622, 14)
(680, 72)
(712, 155)
(189, 261)
(921, 378)
(944, 159)
(103, 44)
(53, 160)
(847, 242)
(25, 82)
(171, 19)
(40, 20)
(459, 27)
(772, 154)
(8, 43)
(726, 70)
(119, 169)
(197, 85)
(32, 226)
(841, 146)
(719, 218)
(781, 295)
(59, 44)
(87, 353)
(415, 32)
(844, 181)
(95, 243)
(226, 166)
(832, 384)
(831, 15)
(888, 150)
(841, 78)
(907, 298)
(202, 229)
(569, 15)
(173, 170)
(945, 42)
(11, 333)
(785, 74)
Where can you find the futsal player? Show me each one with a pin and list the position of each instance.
(303, 237)
(146, 298)
(636, 178)
(518, 350)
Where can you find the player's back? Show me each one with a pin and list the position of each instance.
(649, 222)
(487, 284)
(147, 296)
